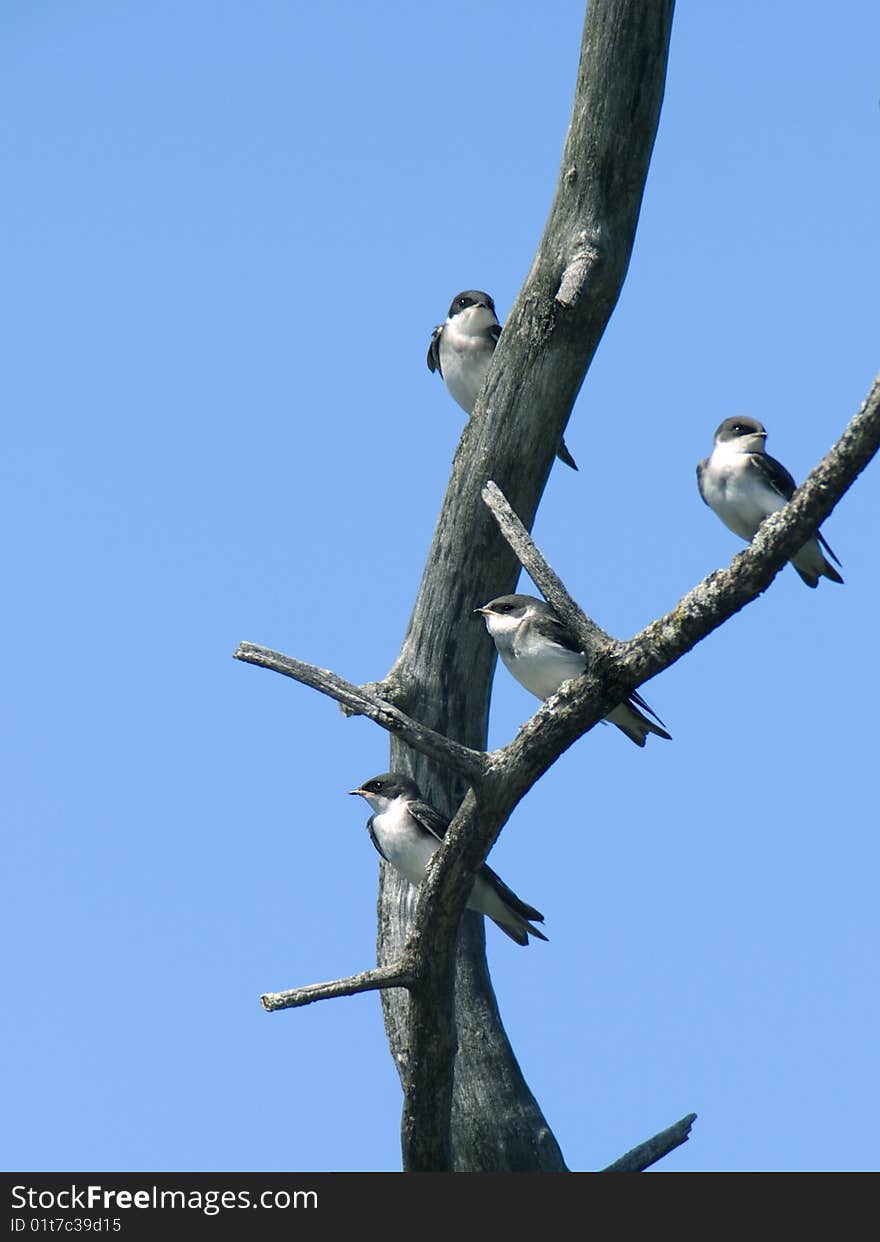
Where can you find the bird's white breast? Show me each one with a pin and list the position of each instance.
(465, 354)
(406, 846)
(537, 663)
(542, 667)
(734, 489)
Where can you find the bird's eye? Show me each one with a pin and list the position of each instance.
(463, 302)
(375, 786)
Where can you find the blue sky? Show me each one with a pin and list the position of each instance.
(229, 233)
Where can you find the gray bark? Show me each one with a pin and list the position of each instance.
(443, 674)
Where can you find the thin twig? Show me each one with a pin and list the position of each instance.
(541, 572)
(646, 1154)
(397, 975)
(462, 759)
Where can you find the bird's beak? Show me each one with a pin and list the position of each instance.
(487, 612)
(356, 791)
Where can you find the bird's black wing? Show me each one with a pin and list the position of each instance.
(555, 630)
(434, 350)
(825, 545)
(509, 897)
(427, 817)
(636, 698)
(702, 466)
(375, 839)
(774, 474)
(432, 821)
(565, 456)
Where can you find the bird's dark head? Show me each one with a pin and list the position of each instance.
(515, 606)
(504, 615)
(741, 427)
(469, 298)
(386, 787)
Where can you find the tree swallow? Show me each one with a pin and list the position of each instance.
(542, 654)
(462, 348)
(407, 832)
(743, 484)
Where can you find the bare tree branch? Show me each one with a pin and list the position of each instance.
(646, 1154)
(541, 572)
(400, 976)
(617, 667)
(361, 702)
(625, 665)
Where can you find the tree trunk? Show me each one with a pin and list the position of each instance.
(444, 672)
